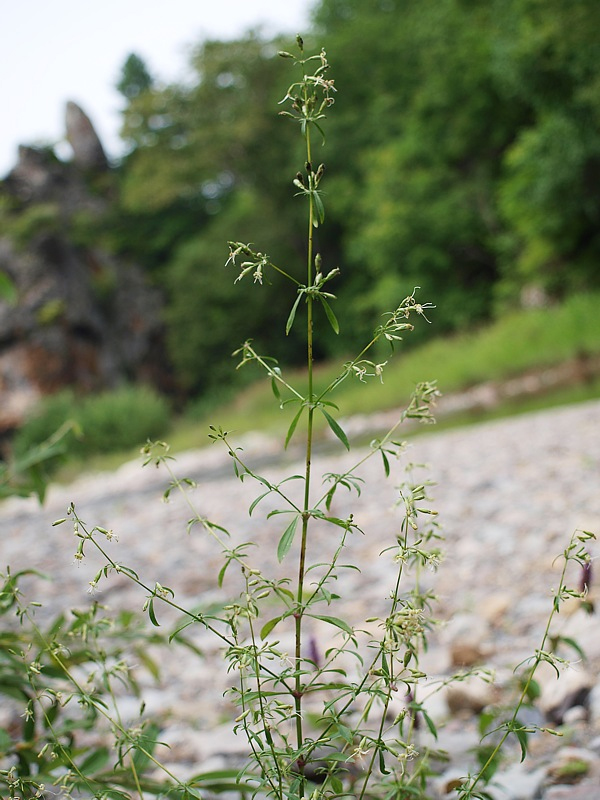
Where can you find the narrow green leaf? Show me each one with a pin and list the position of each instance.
(151, 613)
(286, 540)
(335, 427)
(574, 644)
(276, 511)
(384, 665)
(430, 723)
(330, 315)
(320, 129)
(222, 574)
(275, 388)
(292, 316)
(268, 627)
(281, 590)
(95, 761)
(339, 623)
(145, 746)
(382, 766)
(329, 497)
(386, 464)
(521, 735)
(257, 501)
(533, 690)
(149, 662)
(319, 209)
(292, 427)
(329, 404)
(178, 630)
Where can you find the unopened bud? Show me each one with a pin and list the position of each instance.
(284, 54)
(318, 261)
(586, 577)
(300, 42)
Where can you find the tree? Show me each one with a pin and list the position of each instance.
(135, 78)
(550, 208)
(195, 178)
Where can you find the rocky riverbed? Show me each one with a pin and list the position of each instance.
(509, 494)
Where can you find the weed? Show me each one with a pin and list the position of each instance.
(321, 719)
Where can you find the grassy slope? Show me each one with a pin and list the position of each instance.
(518, 342)
(521, 341)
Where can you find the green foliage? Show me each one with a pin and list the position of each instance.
(27, 472)
(135, 78)
(317, 724)
(59, 682)
(477, 153)
(31, 222)
(50, 415)
(465, 154)
(534, 339)
(104, 423)
(203, 316)
(122, 418)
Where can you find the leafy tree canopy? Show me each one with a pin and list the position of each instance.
(463, 157)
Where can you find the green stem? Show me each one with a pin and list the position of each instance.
(99, 707)
(307, 476)
(278, 787)
(468, 789)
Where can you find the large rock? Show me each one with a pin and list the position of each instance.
(88, 152)
(81, 318)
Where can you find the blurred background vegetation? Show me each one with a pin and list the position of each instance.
(463, 156)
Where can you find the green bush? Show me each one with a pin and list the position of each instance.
(104, 423)
(123, 418)
(47, 418)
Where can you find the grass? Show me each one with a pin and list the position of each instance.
(533, 339)
(519, 342)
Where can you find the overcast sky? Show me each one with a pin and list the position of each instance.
(52, 51)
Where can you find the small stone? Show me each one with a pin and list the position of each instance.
(518, 782)
(593, 703)
(493, 608)
(570, 765)
(447, 784)
(471, 695)
(559, 694)
(574, 715)
(583, 791)
(467, 636)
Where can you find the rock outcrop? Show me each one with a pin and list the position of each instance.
(80, 317)
(88, 152)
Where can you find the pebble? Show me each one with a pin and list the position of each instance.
(510, 493)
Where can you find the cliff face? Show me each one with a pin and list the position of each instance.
(78, 317)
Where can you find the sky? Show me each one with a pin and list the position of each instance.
(52, 51)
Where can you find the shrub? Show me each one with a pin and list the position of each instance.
(47, 417)
(103, 423)
(121, 419)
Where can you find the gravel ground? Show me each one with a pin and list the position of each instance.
(509, 493)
